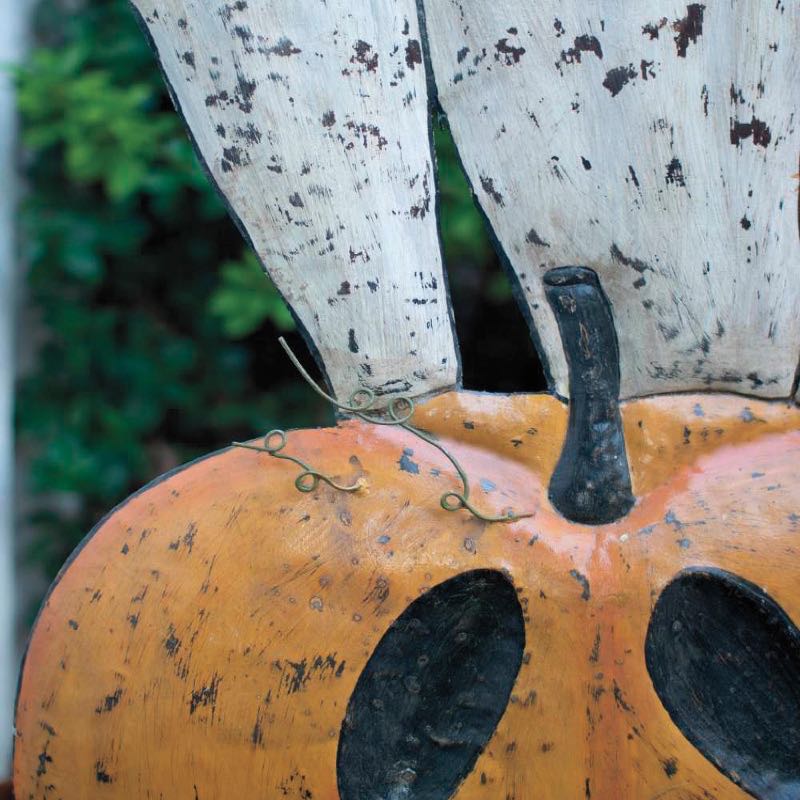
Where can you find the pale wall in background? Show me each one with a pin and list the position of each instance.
(14, 16)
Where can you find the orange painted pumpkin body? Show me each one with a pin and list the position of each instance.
(206, 639)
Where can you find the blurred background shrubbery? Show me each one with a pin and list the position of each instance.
(155, 328)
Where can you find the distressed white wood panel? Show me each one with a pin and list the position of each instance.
(654, 142)
(312, 118)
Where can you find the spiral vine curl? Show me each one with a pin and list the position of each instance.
(398, 413)
(308, 480)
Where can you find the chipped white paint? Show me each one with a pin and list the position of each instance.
(313, 121)
(654, 142)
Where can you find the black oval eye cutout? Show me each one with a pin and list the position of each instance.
(724, 659)
(433, 692)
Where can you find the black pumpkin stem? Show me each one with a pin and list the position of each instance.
(591, 483)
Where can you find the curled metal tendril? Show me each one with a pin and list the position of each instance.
(398, 413)
(308, 480)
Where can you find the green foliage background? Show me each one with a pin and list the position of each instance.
(158, 325)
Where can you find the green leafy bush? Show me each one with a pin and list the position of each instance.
(242, 303)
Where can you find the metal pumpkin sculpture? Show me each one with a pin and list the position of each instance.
(471, 596)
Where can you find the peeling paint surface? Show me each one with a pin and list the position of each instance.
(634, 138)
(251, 643)
(315, 128)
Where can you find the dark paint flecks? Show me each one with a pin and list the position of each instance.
(101, 775)
(619, 698)
(670, 767)
(296, 675)
(617, 78)
(110, 702)
(689, 28)
(406, 464)
(636, 264)
(756, 129)
(508, 54)
(674, 175)
(365, 56)
(586, 592)
(413, 53)
(172, 643)
(532, 237)
(581, 44)
(206, 695)
(488, 187)
(652, 29)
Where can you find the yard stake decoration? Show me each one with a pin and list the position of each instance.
(612, 610)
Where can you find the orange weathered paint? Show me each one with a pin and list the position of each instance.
(205, 640)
